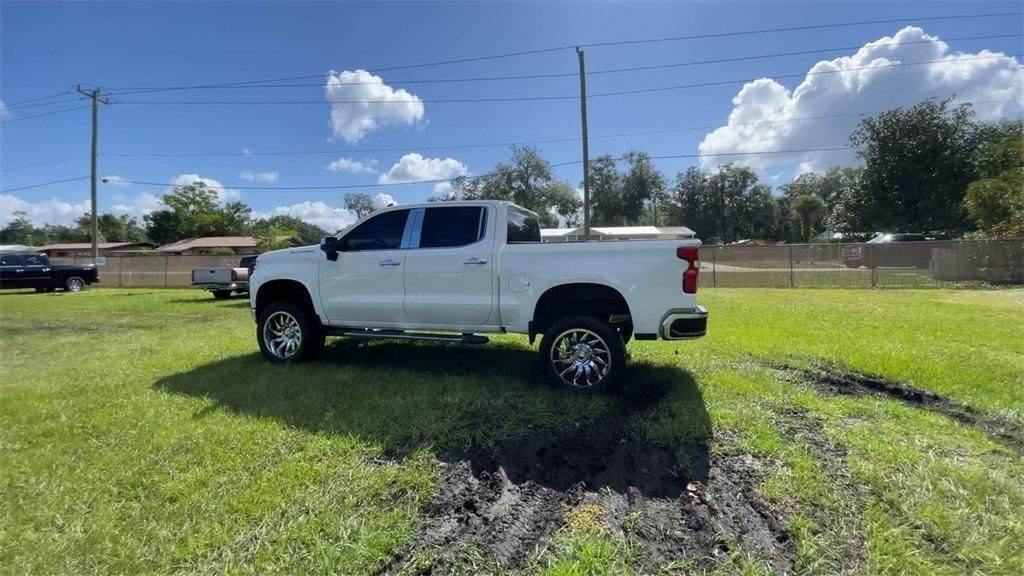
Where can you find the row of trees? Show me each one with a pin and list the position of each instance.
(191, 211)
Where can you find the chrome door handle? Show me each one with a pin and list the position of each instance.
(389, 262)
(475, 261)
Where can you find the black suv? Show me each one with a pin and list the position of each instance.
(33, 270)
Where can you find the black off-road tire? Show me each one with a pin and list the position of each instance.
(601, 336)
(280, 316)
(74, 284)
(222, 294)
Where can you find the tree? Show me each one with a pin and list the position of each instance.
(995, 202)
(605, 192)
(526, 181)
(112, 228)
(641, 184)
(19, 230)
(273, 237)
(809, 211)
(193, 211)
(917, 165)
(725, 206)
(359, 203)
(306, 233)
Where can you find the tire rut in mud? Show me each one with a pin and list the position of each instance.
(679, 503)
(839, 380)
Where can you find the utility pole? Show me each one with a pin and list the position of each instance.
(586, 151)
(94, 95)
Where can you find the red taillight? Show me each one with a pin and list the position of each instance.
(692, 257)
(234, 275)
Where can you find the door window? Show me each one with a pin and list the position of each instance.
(12, 260)
(36, 260)
(454, 226)
(382, 232)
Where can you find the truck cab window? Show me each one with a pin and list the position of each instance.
(522, 228)
(12, 260)
(36, 260)
(382, 232)
(449, 227)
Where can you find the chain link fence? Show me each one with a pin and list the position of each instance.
(895, 265)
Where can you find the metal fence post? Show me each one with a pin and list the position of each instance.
(166, 261)
(792, 281)
(956, 262)
(714, 266)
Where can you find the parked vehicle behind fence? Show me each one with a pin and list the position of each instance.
(34, 270)
(453, 271)
(223, 281)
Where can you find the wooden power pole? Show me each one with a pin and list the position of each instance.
(586, 151)
(96, 98)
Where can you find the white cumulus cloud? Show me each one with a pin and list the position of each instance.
(361, 103)
(353, 166)
(4, 113)
(764, 110)
(442, 188)
(52, 211)
(318, 213)
(224, 194)
(267, 177)
(414, 168)
(383, 200)
(139, 206)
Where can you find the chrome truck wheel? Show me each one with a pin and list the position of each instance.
(582, 353)
(287, 334)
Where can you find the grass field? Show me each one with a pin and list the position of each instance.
(812, 431)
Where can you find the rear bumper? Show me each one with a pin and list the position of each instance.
(684, 324)
(240, 286)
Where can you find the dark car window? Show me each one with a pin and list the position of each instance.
(522, 227)
(382, 232)
(12, 260)
(246, 262)
(36, 260)
(452, 226)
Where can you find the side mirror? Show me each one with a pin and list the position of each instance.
(329, 246)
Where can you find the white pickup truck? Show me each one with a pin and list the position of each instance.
(455, 270)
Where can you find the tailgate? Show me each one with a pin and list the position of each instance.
(211, 276)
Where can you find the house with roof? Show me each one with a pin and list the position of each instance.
(84, 249)
(241, 245)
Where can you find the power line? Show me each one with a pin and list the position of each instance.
(36, 99)
(143, 90)
(38, 104)
(557, 97)
(603, 44)
(51, 113)
(40, 185)
(48, 163)
(502, 144)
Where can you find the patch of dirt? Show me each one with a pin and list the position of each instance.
(839, 380)
(679, 503)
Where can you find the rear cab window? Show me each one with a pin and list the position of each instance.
(522, 227)
(452, 226)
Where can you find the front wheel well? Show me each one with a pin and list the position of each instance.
(579, 299)
(289, 291)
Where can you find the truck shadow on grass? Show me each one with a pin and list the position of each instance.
(519, 455)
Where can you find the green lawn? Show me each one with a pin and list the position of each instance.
(142, 433)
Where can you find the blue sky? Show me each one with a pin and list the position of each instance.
(48, 47)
